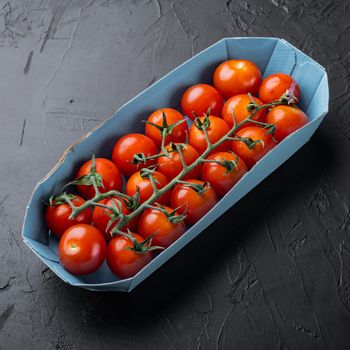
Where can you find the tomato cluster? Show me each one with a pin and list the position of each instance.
(175, 172)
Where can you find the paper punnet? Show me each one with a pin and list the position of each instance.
(272, 55)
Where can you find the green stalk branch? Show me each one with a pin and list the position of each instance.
(158, 192)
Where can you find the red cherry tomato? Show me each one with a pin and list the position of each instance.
(275, 85)
(235, 77)
(155, 221)
(171, 165)
(199, 98)
(123, 260)
(216, 130)
(101, 216)
(57, 215)
(82, 249)
(129, 145)
(111, 177)
(251, 155)
(287, 119)
(178, 133)
(193, 203)
(238, 104)
(224, 175)
(142, 183)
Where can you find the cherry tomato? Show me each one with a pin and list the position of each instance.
(275, 85)
(251, 155)
(238, 104)
(123, 260)
(141, 181)
(224, 175)
(101, 216)
(82, 249)
(166, 231)
(171, 165)
(129, 145)
(111, 177)
(235, 77)
(191, 202)
(216, 130)
(199, 98)
(57, 215)
(178, 133)
(287, 119)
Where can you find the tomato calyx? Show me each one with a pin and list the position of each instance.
(140, 247)
(199, 188)
(171, 216)
(140, 158)
(60, 199)
(250, 143)
(229, 165)
(147, 173)
(289, 98)
(92, 179)
(176, 147)
(165, 128)
(202, 125)
(114, 212)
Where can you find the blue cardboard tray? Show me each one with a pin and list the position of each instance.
(272, 55)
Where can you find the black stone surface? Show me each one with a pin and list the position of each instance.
(272, 273)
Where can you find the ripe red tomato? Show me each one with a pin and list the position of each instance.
(251, 155)
(167, 229)
(123, 260)
(224, 175)
(58, 212)
(171, 165)
(199, 98)
(239, 105)
(101, 216)
(82, 249)
(129, 145)
(193, 203)
(111, 177)
(275, 85)
(216, 130)
(235, 77)
(287, 119)
(141, 181)
(178, 133)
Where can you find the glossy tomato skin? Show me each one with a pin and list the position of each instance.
(238, 104)
(125, 149)
(101, 217)
(220, 178)
(57, 216)
(171, 166)
(275, 85)
(216, 130)
(154, 221)
(82, 249)
(123, 261)
(199, 98)
(251, 156)
(178, 133)
(287, 119)
(111, 177)
(192, 203)
(136, 181)
(235, 77)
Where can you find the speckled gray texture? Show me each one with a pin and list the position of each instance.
(272, 273)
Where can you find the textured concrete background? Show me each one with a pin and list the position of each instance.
(272, 273)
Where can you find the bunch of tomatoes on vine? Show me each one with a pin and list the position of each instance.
(129, 208)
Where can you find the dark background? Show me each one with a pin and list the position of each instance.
(272, 273)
